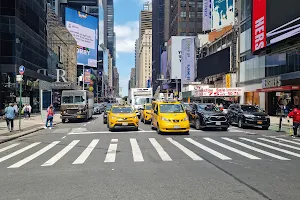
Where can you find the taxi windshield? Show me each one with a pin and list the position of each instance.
(148, 107)
(171, 108)
(121, 110)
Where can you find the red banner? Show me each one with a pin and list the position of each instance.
(259, 28)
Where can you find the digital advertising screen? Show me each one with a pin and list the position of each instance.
(84, 29)
(274, 21)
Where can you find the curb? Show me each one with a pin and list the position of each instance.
(21, 134)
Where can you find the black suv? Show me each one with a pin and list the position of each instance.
(248, 116)
(207, 116)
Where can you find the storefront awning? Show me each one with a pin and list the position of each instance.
(279, 89)
(218, 92)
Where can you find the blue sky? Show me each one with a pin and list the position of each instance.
(127, 31)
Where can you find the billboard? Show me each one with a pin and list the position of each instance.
(206, 12)
(274, 21)
(174, 56)
(188, 59)
(222, 13)
(84, 28)
(164, 62)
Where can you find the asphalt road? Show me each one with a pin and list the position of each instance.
(86, 161)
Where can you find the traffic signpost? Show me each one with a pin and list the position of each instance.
(20, 79)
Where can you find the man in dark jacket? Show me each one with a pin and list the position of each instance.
(295, 114)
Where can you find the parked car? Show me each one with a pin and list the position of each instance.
(203, 116)
(248, 116)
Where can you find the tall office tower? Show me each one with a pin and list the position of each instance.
(145, 18)
(137, 65)
(116, 84)
(185, 17)
(108, 6)
(158, 33)
(145, 59)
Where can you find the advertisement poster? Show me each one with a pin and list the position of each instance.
(187, 60)
(206, 25)
(222, 13)
(87, 76)
(84, 29)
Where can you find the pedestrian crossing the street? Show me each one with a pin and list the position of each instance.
(167, 150)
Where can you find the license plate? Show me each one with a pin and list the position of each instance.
(176, 126)
(259, 122)
(78, 116)
(218, 123)
(124, 124)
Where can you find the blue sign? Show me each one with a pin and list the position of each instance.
(149, 83)
(84, 29)
(21, 70)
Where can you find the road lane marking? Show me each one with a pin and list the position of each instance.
(63, 137)
(33, 156)
(61, 130)
(288, 141)
(136, 151)
(114, 140)
(272, 147)
(18, 152)
(9, 147)
(232, 149)
(111, 152)
(105, 132)
(279, 143)
(141, 129)
(60, 154)
(161, 152)
(209, 150)
(255, 149)
(85, 154)
(185, 150)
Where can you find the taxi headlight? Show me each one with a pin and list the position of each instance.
(113, 117)
(79, 112)
(135, 117)
(185, 119)
(164, 119)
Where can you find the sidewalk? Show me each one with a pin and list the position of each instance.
(36, 123)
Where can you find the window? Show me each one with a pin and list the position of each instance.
(171, 108)
(191, 14)
(183, 14)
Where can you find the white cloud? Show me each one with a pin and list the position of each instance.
(126, 34)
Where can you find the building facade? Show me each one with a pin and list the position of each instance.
(158, 33)
(185, 17)
(109, 40)
(145, 59)
(137, 65)
(116, 85)
(23, 41)
(145, 19)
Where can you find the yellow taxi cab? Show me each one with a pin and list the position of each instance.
(122, 116)
(169, 116)
(146, 113)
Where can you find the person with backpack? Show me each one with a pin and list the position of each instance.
(10, 114)
(295, 114)
(50, 115)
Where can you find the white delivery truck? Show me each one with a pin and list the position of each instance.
(140, 96)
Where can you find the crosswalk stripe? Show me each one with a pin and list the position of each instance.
(232, 149)
(255, 149)
(209, 150)
(185, 150)
(33, 156)
(18, 152)
(297, 139)
(161, 152)
(9, 147)
(288, 141)
(136, 151)
(272, 147)
(60, 154)
(85, 154)
(111, 152)
(61, 130)
(279, 143)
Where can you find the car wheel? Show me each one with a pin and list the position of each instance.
(136, 128)
(63, 121)
(111, 129)
(224, 129)
(104, 121)
(198, 124)
(240, 123)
